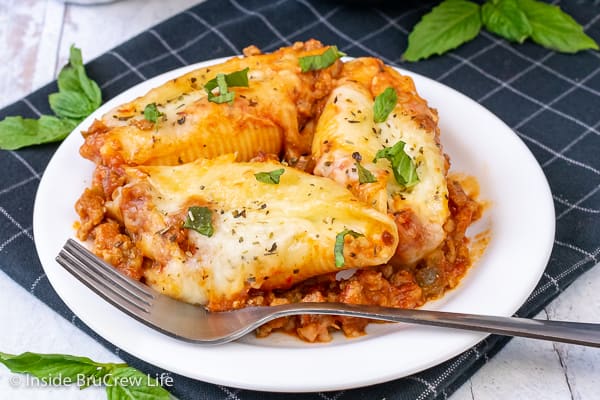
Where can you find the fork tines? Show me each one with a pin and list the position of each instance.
(115, 287)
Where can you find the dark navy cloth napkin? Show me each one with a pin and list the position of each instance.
(551, 100)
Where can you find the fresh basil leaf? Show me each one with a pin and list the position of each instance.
(554, 29)
(238, 78)
(384, 104)
(130, 384)
(151, 113)
(77, 98)
(364, 175)
(270, 177)
(446, 27)
(90, 88)
(320, 61)
(68, 104)
(75, 58)
(200, 220)
(222, 83)
(224, 96)
(68, 80)
(338, 249)
(234, 79)
(405, 171)
(46, 366)
(18, 132)
(51, 128)
(210, 85)
(506, 19)
(74, 78)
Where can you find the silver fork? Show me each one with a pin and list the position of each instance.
(194, 324)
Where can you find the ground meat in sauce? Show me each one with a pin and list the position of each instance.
(90, 205)
(107, 179)
(390, 286)
(90, 208)
(117, 249)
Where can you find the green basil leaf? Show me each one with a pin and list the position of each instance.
(364, 175)
(75, 58)
(238, 78)
(320, 61)
(338, 249)
(200, 220)
(234, 79)
(47, 366)
(77, 98)
(130, 384)
(222, 98)
(151, 113)
(90, 88)
(68, 80)
(223, 82)
(18, 132)
(210, 85)
(446, 27)
(270, 177)
(506, 19)
(405, 171)
(554, 29)
(73, 78)
(68, 104)
(384, 104)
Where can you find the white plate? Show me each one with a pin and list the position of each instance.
(521, 219)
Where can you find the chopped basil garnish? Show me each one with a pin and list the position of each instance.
(338, 250)
(384, 104)
(224, 82)
(270, 177)
(200, 220)
(238, 78)
(320, 61)
(403, 166)
(222, 98)
(364, 175)
(224, 95)
(151, 113)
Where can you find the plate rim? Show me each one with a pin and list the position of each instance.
(52, 270)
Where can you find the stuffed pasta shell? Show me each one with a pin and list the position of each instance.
(262, 235)
(268, 112)
(353, 149)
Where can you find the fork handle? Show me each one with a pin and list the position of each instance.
(586, 334)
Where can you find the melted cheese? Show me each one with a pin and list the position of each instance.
(346, 129)
(265, 235)
(265, 118)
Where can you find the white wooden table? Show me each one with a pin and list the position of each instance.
(35, 36)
